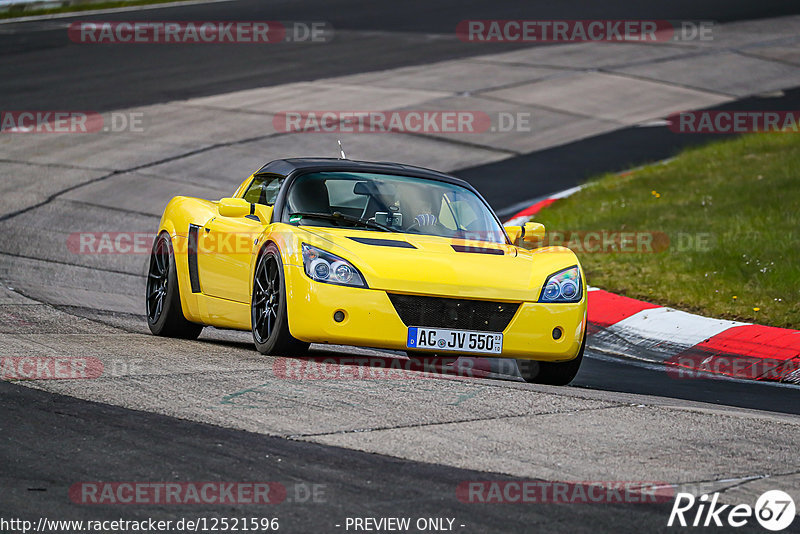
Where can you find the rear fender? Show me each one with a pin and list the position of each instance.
(178, 215)
(183, 211)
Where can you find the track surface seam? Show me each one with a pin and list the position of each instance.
(67, 264)
(615, 405)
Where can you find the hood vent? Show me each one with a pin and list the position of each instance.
(382, 242)
(478, 250)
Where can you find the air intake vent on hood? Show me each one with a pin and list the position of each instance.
(478, 250)
(382, 242)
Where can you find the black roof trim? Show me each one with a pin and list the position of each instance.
(290, 165)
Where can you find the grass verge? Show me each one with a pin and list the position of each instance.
(731, 211)
(19, 10)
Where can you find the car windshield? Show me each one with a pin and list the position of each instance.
(386, 202)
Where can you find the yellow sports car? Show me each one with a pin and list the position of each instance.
(384, 255)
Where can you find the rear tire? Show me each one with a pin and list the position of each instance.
(268, 316)
(162, 297)
(552, 373)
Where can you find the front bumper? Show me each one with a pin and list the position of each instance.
(371, 321)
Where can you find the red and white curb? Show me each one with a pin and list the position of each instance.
(525, 215)
(690, 346)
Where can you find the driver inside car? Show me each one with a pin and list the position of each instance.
(425, 219)
(425, 210)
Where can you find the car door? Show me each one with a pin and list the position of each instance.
(225, 249)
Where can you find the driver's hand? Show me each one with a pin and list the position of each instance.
(425, 219)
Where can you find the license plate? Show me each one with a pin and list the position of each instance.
(454, 340)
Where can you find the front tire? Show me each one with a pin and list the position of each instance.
(268, 314)
(552, 373)
(162, 297)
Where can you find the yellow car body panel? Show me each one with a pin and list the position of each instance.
(432, 268)
(371, 320)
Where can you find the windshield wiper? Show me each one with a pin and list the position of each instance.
(339, 216)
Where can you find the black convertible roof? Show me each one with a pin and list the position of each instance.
(290, 165)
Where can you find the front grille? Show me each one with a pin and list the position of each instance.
(437, 312)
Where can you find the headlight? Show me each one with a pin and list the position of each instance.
(563, 286)
(325, 267)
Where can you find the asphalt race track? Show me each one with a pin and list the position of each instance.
(47, 71)
(356, 484)
(216, 410)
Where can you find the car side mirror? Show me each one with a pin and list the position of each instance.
(264, 213)
(514, 233)
(531, 234)
(234, 207)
